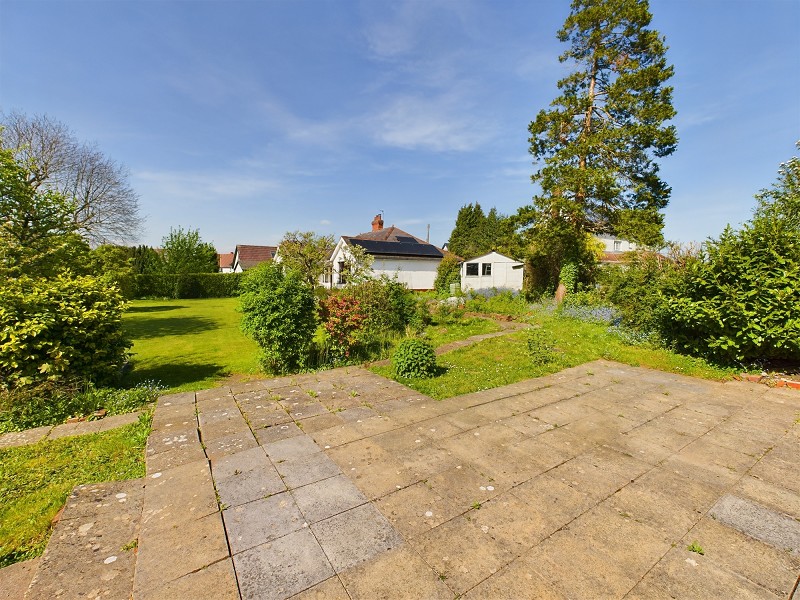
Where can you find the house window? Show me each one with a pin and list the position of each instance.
(472, 269)
(617, 245)
(486, 268)
(342, 273)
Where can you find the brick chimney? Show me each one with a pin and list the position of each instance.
(377, 223)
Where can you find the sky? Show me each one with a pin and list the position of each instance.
(248, 119)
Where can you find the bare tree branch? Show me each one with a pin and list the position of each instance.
(106, 206)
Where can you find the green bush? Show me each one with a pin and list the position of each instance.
(414, 357)
(60, 329)
(190, 285)
(389, 307)
(279, 313)
(449, 271)
(639, 288)
(739, 301)
(540, 347)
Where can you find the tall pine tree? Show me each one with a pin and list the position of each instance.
(598, 143)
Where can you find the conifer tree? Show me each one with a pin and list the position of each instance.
(597, 145)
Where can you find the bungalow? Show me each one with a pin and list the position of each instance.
(493, 270)
(225, 262)
(247, 257)
(396, 254)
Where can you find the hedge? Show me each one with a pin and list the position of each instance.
(191, 285)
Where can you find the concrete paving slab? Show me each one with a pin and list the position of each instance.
(176, 456)
(773, 568)
(233, 464)
(171, 438)
(569, 564)
(685, 574)
(355, 536)
(282, 568)
(23, 438)
(15, 579)
(176, 399)
(773, 528)
(92, 549)
(307, 469)
(381, 478)
(216, 430)
(416, 509)
(516, 580)
(229, 444)
(177, 496)
(274, 433)
(248, 485)
(291, 448)
(250, 525)
(330, 589)
(217, 581)
(476, 556)
(321, 422)
(172, 552)
(398, 573)
(768, 495)
(326, 498)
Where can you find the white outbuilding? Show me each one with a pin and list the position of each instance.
(493, 270)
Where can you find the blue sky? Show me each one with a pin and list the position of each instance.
(249, 119)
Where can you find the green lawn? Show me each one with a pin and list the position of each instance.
(35, 481)
(440, 334)
(503, 360)
(188, 344)
(193, 344)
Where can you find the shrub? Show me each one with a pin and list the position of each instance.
(739, 300)
(279, 313)
(190, 285)
(389, 306)
(60, 329)
(449, 271)
(344, 323)
(414, 357)
(540, 347)
(638, 288)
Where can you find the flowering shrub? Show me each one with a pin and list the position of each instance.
(344, 323)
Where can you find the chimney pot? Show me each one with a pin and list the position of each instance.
(377, 223)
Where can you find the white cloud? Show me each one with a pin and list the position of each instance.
(204, 185)
(437, 123)
(325, 222)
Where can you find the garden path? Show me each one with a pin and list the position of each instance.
(52, 432)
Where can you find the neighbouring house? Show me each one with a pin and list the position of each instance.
(614, 248)
(247, 257)
(396, 254)
(493, 270)
(225, 262)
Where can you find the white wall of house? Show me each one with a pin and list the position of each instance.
(493, 270)
(615, 244)
(415, 273)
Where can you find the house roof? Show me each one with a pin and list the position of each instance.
(511, 258)
(392, 241)
(250, 256)
(225, 260)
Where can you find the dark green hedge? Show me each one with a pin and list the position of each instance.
(192, 285)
